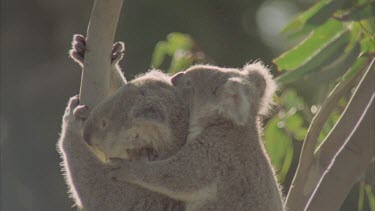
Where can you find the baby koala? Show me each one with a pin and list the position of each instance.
(223, 165)
(145, 119)
(142, 119)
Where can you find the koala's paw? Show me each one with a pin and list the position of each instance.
(75, 114)
(77, 53)
(118, 51)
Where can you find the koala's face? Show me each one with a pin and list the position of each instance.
(237, 95)
(205, 87)
(140, 121)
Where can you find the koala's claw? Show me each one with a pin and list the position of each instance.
(118, 51)
(78, 49)
(73, 102)
(79, 38)
(81, 112)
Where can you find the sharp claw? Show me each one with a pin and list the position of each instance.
(118, 47)
(81, 112)
(74, 102)
(79, 58)
(79, 38)
(79, 47)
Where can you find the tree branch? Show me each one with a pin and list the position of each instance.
(348, 165)
(308, 171)
(344, 126)
(100, 36)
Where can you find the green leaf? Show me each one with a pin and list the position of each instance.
(323, 45)
(161, 50)
(370, 197)
(175, 43)
(180, 61)
(326, 12)
(312, 17)
(294, 125)
(318, 40)
(179, 41)
(299, 22)
(288, 159)
(289, 99)
(368, 44)
(278, 146)
(360, 12)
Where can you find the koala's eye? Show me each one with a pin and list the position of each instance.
(103, 123)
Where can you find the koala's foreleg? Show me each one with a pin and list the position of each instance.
(83, 171)
(77, 53)
(187, 176)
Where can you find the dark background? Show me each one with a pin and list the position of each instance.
(37, 77)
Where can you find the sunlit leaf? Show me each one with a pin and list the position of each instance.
(355, 35)
(368, 44)
(321, 38)
(298, 23)
(326, 12)
(175, 43)
(312, 17)
(161, 50)
(180, 61)
(294, 122)
(179, 41)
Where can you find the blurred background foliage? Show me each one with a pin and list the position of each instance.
(309, 45)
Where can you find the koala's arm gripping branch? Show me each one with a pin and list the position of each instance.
(100, 36)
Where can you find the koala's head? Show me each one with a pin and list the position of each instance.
(144, 119)
(238, 95)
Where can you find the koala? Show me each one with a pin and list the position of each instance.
(143, 115)
(223, 165)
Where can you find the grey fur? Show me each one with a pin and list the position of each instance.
(223, 165)
(84, 172)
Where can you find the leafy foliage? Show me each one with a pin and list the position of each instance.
(181, 48)
(337, 44)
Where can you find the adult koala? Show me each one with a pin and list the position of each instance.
(144, 119)
(223, 165)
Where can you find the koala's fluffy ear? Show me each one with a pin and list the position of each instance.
(235, 100)
(265, 85)
(176, 77)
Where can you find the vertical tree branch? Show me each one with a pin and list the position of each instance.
(100, 36)
(310, 169)
(348, 165)
(352, 113)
